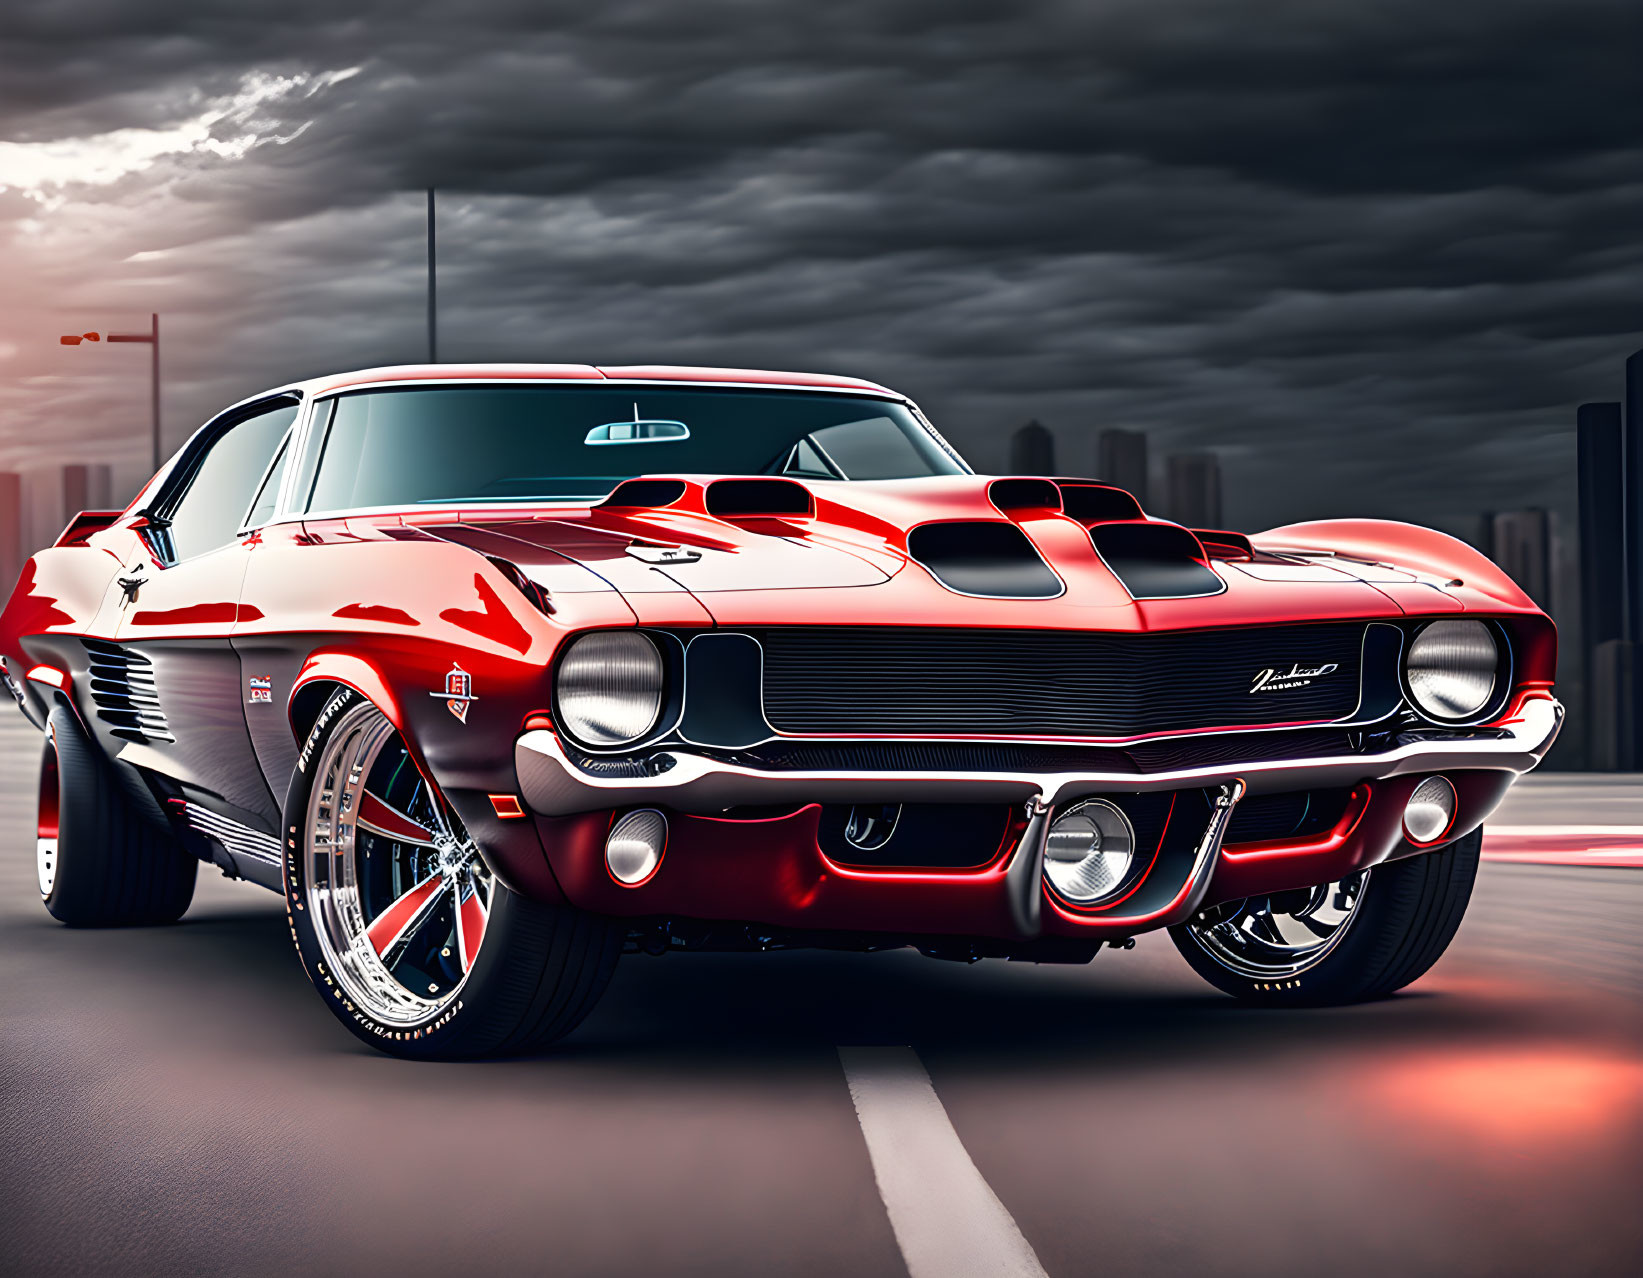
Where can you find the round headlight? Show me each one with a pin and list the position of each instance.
(1090, 849)
(1451, 668)
(609, 688)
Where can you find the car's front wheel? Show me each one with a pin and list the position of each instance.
(1363, 937)
(415, 946)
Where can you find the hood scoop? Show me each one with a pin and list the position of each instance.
(1156, 561)
(644, 494)
(758, 499)
(991, 559)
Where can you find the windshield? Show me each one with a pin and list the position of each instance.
(556, 443)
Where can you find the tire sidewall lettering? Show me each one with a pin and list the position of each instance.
(424, 1034)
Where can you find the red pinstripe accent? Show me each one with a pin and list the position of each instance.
(376, 815)
(390, 925)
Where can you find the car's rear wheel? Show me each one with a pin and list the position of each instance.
(414, 944)
(98, 863)
(1363, 937)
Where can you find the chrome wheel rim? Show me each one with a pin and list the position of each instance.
(45, 828)
(398, 893)
(1285, 934)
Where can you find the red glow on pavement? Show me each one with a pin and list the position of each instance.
(1589, 845)
(1509, 1099)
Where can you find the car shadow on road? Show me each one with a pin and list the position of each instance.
(719, 1011)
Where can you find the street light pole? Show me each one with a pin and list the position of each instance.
(433, 296)
(152, 337)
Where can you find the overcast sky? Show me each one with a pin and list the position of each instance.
(1374, 252)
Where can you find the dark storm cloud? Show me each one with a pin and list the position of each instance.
(1328, 239)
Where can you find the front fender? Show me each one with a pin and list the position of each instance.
(1423, 550)
(511, 847)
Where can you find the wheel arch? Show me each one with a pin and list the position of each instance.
(325, 673)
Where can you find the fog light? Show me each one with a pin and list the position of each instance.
(634, 848)
(1430, 811)
(1090, 849)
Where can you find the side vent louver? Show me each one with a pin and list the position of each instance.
(992, 559)
(123, 692)
(1156, 561)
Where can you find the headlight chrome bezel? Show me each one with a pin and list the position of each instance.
(610, 658)
(1417, 682)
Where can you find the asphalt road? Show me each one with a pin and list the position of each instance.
(178, 1101)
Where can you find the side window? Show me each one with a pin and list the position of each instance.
(219, 493)
(269, 494)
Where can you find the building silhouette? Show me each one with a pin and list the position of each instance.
(1520, 541)
(1604, 596)
(1192, 483)
(1121, 459)
(1610, 454)
(1032, 450)
(1632, 432)
(11, 531)
(85, 487)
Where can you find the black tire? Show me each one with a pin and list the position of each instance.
(1409, 913)
(111, 867)
(538, 972)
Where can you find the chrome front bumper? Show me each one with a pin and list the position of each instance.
(554, 786)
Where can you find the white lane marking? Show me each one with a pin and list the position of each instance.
(947, 1220)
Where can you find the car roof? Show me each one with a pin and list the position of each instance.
(664, 373)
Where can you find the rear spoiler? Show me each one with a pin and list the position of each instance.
(84, 524)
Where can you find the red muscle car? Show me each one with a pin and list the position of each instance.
(497, 672)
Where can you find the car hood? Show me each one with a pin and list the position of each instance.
(846, 559)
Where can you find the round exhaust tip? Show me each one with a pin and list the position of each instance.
(634, 847)
(1430, 811)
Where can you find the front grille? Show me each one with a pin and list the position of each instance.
(123, 692)
(837, 680)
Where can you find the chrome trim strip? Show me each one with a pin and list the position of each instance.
(238, 839)
(554, 786)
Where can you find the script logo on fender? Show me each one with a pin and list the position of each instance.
(458, 694)
(1297, 676)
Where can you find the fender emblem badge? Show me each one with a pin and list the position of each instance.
(458, 694)
(259, 690)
